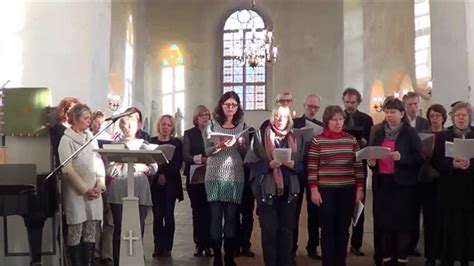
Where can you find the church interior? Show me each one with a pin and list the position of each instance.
(169, 56)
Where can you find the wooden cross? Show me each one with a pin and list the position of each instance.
(130, 238)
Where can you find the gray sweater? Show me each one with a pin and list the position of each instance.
(118, 187)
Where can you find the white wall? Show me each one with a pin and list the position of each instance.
(449, 51)
(354, 49)
(309, 35)
(63, 46)
(389, 36)
(470, 46)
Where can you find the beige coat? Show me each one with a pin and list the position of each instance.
(85, 171)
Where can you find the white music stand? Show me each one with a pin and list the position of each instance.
(131, 246)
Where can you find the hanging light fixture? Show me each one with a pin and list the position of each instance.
(258, 48)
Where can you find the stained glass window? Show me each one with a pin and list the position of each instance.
(172, 81)
(248, 82)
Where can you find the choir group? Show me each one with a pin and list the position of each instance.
(230, 168)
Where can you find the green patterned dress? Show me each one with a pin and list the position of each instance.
(224, 179)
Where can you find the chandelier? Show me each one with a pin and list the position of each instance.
(256, 47)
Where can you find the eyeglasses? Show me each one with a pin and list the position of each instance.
(204, 115)
(435, 115)
(310, 106)
(230, 105)
(285, 100)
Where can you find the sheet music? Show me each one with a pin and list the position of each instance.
(317, 129)
(134, 144)
(463, 148)
(448, 148)
(306, 132)
(372, 152)
(167, 149)
(427, 143)
(216, 136)
(114, 146)
(195, 175)
(282, 155)
(359, 207)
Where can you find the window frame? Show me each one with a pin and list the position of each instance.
(222, 58)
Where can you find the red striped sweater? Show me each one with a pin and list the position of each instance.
(331, 162)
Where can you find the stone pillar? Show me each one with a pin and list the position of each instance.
(450, 52)
(354, 50)
(389, 54)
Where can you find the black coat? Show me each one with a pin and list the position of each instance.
(408, 144)
(421, 124)
(363, 123)
(455, 186)
(193, 145)
(55, 135)
(173, 186)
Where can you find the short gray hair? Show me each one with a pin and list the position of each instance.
(76, 112)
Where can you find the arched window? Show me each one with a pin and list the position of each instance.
(422, 40)
(248, 82)
(128, 73)
(172, 81)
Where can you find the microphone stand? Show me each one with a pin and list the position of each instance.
(58, 171)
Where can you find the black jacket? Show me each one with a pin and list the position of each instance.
(455, 186)
(261, 176)
(408, 144)
(173, 187)
(363, 123)
(421, 124)
(193, 144)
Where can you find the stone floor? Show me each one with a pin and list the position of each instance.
(184, 247)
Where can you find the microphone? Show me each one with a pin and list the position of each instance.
(5, 84)
(117, 117)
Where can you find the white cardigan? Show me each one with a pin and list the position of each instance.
(84, 172)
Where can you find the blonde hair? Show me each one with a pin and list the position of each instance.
(199, 109)
(133, 116)
(281, 95)
(277, 110)
(173, 124)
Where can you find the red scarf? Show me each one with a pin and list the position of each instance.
(271, 134)
(332, 135)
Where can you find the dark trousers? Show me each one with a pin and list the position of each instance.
(227, 211)
(358, 229)
(335, 215)
(428, 204)
(395, 245)
(298, 204)
(245, 221)
(117, 210)
(415, 233)
(312, 223)
(277, 222)
(377, 232)
(201, 213)
(163, 220)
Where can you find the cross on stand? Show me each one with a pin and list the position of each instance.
(130, 238)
